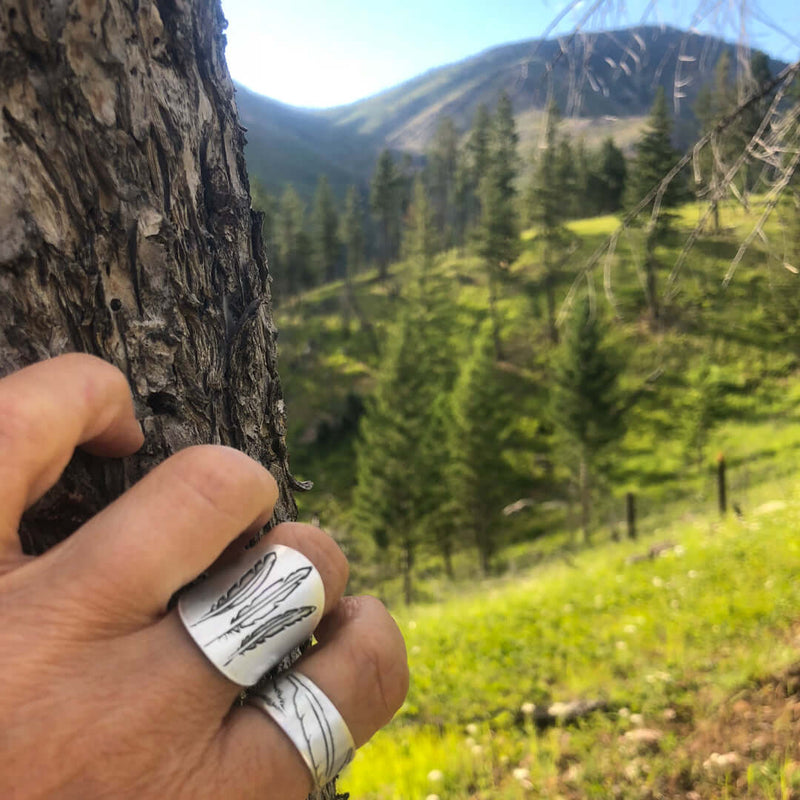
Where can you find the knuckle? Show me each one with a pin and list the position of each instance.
(20, 424)
(223, 479)
(321, 549)
(381, 657)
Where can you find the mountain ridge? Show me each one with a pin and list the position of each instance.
(608, 78)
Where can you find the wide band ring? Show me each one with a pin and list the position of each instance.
(247, 615)
(310, 720)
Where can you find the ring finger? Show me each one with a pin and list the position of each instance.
(360, 666)
(181, 661)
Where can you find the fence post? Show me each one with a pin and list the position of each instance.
(630, 499)
(722, 489)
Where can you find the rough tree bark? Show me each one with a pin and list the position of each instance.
(126, 231)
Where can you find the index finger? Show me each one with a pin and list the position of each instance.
(48, 409)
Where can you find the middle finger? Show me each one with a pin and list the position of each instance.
(181, 662)
(118, 572)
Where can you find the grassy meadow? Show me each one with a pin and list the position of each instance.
(664, 643)
(687, 654)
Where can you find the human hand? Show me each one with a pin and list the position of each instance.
(103, 694)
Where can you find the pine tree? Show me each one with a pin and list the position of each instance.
(291, 242)
(581, 203)
(759, 74)
(712, 104)
(567, 176)
(474, 435)
(326, 248)
(398, 472)
(353, 231)
(478, 158)
(421, 240)
(442, 168)
(587, 403)
(497, 235)
(548, 210)
(386, 203)
(612, 174)
(655, 157)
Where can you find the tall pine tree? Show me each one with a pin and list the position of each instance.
(442, 169)
(587, 403)
(476, 468)
(655, 157)
(326, 248)
(548, 210)
(386, 202)
(398, 478)
(497, 235)
(713, 103)
(477, 160)
(291, 242)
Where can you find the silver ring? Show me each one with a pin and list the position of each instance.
(312, 722)
(246, 616)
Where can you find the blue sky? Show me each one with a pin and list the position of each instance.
(322, 53)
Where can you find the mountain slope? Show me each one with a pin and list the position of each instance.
(603, 82)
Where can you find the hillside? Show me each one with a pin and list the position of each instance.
(691, 659)
(604, 83)
(685, 639)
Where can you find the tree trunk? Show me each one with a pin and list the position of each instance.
(550, 293)
(494, 313)
(408, 568)
(586, 500)
(650, 269)
(126, 232)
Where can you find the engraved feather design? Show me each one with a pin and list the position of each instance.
(242, 589)
(272, 627)
(273, 595)
(320, 748)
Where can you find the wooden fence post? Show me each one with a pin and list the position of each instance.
(630, 499)
(722, 489)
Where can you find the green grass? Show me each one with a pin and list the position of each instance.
(679, 632)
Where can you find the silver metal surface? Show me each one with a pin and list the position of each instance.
(247, 615)
(310, 720)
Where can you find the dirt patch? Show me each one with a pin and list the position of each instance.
(751, 745)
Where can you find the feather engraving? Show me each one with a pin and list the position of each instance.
(272, 627)
(268, 602)
(313, 721)
(242, 589)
